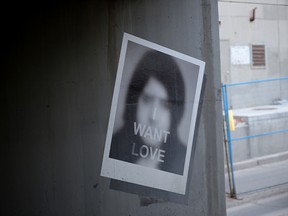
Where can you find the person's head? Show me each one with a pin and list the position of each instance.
(156, 94)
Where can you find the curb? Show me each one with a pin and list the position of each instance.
(259, 161)
(256, 195)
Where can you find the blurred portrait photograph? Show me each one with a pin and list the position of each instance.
(153, 116)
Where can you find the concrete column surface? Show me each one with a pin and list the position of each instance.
(59, 71)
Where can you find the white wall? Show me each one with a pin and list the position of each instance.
(270, 27)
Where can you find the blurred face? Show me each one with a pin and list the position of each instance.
(154, 110)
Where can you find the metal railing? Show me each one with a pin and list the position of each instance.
(227, 131)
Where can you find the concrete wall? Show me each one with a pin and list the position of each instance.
(60, 68)
(257, 121)
(270, 27)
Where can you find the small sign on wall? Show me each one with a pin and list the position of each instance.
(153, 116)
(240, 55)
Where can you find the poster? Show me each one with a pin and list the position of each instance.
(240, 55)
(153, 116)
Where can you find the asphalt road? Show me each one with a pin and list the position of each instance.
(260, 177)
(272, 206)
(261, 190)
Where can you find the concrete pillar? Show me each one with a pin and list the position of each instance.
(61, 66)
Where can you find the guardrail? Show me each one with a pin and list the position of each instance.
(227, 130)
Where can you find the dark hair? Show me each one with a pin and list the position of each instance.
(164, 69)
